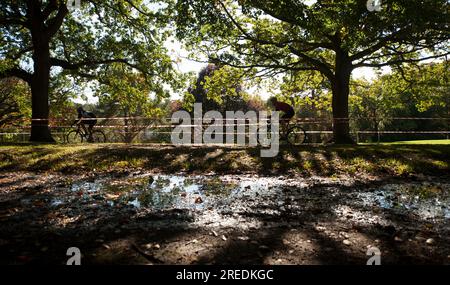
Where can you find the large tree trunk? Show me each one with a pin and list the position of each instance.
(341, 90)
(40, 131)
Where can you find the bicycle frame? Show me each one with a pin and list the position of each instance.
(82, 131)
(284, 132)
(85, 134)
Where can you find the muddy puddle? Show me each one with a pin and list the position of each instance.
(231, 200)
(425, 200)
(175, 216)
(163, 191)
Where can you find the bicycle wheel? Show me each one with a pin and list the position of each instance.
(296, 135)
(266, 136)
(98, 136)
(74, 136)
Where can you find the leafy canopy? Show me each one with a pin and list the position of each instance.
(291, 35)
(127, 32)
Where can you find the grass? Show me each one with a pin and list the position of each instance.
(420, 142)
(382, 159)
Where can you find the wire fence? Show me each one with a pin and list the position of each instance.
(158, 130)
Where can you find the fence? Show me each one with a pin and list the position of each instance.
(158, 130)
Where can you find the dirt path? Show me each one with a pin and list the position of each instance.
(142, 218)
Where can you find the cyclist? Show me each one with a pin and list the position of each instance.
(288, 111)
(86, 119)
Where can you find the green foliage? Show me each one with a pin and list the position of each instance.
(129, 92)
(15, 107)
(288, 34)
(413, 91)
(223, 82)
(219, 88)
(61, 95)
(128, 95)
(328, 37)
(84, 43)
(427, 85)
(309, 93)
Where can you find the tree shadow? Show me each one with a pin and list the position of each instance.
(304, 160)
(41, 233)
(25, 228)
(327, 248)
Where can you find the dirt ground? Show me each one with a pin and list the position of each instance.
(139, 217)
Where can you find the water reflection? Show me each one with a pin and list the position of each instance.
(428, 200)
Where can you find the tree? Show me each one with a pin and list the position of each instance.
(62, 92)
(127, 95)
(14, 96)
(414, 92)
(40, 36)
(218, 88)
(371, 105)
(418, 91)
(309, 93)
(330, 37)
(430, 87)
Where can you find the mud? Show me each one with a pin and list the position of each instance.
(142, 218)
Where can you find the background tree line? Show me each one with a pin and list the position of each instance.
(306, 51)
(416, 92)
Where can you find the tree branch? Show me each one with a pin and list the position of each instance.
(273, 66)
(51, 7)
(395, 62)
(16, 72)
(380, 44)
(73, 66)
(283, 44)
(316, 64)
(322, 67)
(8, 22)
(20, 53)
(55, 23)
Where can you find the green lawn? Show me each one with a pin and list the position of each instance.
(373, 159)
(422, 142)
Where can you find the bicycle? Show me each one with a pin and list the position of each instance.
(79, 135)
(293, 133)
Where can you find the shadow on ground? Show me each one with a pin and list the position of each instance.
(304, 226)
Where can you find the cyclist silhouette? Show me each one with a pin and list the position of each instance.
(288, 111)
(86, 119)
